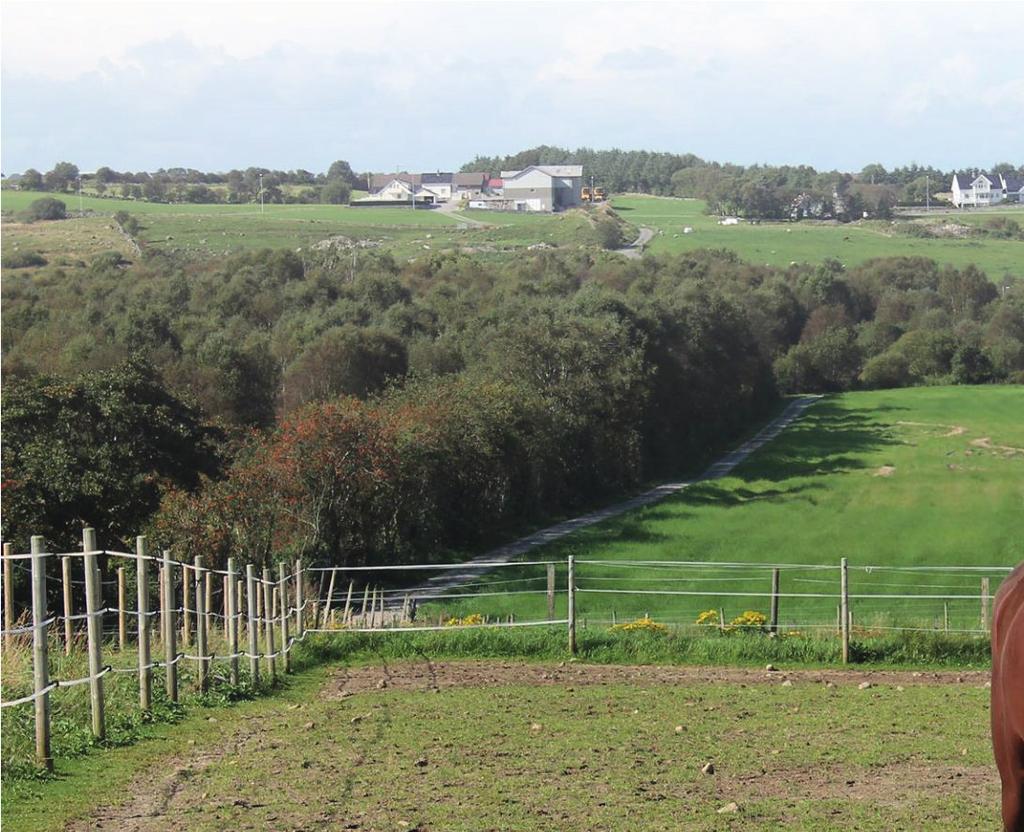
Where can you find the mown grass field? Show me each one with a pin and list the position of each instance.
(779, 244)
(427, 745)
(211, 230)
(920, 478)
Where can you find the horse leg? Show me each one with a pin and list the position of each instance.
(1012, 771)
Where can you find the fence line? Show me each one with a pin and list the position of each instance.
(276, 614)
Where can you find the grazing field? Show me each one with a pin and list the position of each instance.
(779, 244)
(916, 478)
(210, 230)
(427, 745)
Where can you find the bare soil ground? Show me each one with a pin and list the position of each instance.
(428, 675)
(186, 794)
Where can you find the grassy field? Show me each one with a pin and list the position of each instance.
(893, 479)
(779, 244)
(429, 745)
(209, 230)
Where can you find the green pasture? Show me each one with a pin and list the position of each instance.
(211, 230)
(923, 477)
(782, 243)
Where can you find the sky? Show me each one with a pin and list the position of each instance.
(429, 85)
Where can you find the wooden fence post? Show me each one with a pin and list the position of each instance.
(186, 612)
(122, 614)
(844, 609)
(362, 613)
(8, 594)
(142, 602)
(94, 630)
(252, 624)
(300, 623)
(227, 587)
(984, 605)
(170, 627)
(285, 614)
(773, 624)
(69, 605)
(40, 659)
(551, 592)
(268, 620)
(208, 606)
(347, 615)
(204, 668)
(330, 599)
(572, 605)
(231, 622)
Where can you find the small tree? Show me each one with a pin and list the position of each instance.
(31, 180)
(46, 208)
(61, 177)
(335, 192)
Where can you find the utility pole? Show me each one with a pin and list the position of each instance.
(927, 194)
(261, 193)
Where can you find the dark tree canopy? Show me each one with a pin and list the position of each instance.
(95, 451)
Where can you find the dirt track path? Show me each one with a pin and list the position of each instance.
(511, 551)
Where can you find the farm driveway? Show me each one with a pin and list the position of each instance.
(510, 551)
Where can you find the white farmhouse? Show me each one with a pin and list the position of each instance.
(986, 189)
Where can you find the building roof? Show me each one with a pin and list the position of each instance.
(473, 180)
(382, 180)
(436, 178)
(1013, 182)
(550, 170)
(966, 180)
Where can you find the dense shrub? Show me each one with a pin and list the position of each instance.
(46, 208)
(13, 258)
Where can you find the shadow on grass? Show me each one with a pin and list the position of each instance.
(829, 440)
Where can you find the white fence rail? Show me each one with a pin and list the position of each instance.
(224, 616)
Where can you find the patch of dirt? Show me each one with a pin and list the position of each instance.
(951, 430)
(429, 675)
(986, 443)
(159, 798)
(885, 471)
(887, 785)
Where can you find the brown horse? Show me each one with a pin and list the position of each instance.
(1008, 696)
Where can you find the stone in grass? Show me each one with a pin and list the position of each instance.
(707, 768)
(787, 684)
(864, 686)
(770, 668)
(729, 809)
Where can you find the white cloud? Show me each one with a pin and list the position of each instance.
(224, 83)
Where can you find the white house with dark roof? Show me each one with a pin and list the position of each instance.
(980, 189)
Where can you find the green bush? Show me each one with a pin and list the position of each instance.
(46, 208)
(15, 259)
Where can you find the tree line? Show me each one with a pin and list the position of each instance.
(195, 186)
(754, 191)
(374, 411)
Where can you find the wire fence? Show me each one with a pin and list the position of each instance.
(248, 623)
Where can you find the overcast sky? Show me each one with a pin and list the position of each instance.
(216, 85)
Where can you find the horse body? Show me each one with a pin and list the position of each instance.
(1008, 696)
